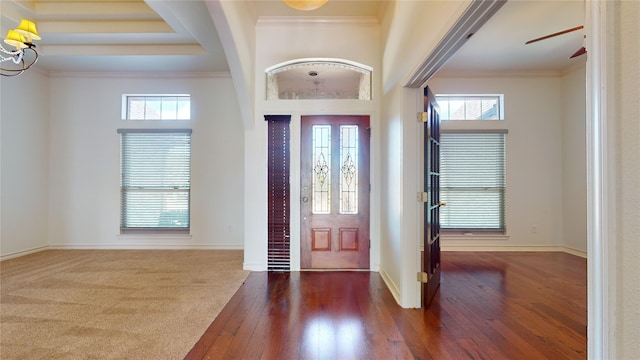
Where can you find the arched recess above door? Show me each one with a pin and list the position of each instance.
(318, 78)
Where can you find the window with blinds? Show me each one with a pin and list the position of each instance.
(155, 179)
(472, 181)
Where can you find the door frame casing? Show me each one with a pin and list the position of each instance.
(312, 107)
(602, 274)
(364, 188)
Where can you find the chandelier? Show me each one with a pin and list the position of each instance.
(305, 5)
(21, 38)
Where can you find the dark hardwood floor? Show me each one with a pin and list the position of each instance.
(490, 306)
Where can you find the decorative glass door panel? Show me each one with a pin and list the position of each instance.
(321, 179)
(349, 169)
(334, 188)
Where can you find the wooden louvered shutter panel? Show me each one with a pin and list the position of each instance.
(279, 195)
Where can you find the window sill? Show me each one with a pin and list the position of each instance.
(147, 236)
(474, 236)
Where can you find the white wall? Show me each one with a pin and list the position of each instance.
(391, 170)
(627, 80)
(410, 31)
(574, 161)
(235, 24)
(279, 40)
(558, 190)
(24, 151)
(84, 160)
(533, 117)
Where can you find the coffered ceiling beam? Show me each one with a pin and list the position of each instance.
(142, 49)
(94, 9)
(104, 26)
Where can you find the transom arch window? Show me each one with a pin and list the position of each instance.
(319, 79)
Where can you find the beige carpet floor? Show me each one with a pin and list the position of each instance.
(120, 304)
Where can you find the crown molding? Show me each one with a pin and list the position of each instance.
(450, 74)
(574, 66)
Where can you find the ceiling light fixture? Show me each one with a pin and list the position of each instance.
(21, 38)
(305, 5)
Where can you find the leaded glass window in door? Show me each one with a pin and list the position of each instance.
(321, 167)
(342, 170)
(348, 169)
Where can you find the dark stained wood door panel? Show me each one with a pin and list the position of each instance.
(334, 223)
(431, 255)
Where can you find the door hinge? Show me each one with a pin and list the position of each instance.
(423, 277)
(422, 116)
(423, 197)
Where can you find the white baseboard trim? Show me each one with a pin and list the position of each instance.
(254, 267)
(465, 247)
(147, 247)
(119, 247)
(391, 286)
(523, 248)
(576, 252)
(23, 253)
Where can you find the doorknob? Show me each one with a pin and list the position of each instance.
(305, 199)
(440, 203)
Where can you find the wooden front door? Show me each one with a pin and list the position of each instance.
(431, 255)
(334, 192)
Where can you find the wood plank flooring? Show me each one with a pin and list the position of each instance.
(489, 306)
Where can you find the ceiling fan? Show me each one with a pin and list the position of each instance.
(580, 51)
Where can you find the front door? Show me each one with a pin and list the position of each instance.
(334, 192)
(431, 257)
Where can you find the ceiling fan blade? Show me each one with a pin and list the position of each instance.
(555, 34)
(580, 51)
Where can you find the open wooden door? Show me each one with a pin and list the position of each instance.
(430, 276)
(334, 187)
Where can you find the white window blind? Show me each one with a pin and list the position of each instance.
(472, 181)
(155, 168)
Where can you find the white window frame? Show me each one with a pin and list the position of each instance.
(156, 123)
(126, 111)
(466, 98)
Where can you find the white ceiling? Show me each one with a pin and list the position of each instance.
(499, 47)
(179, 35)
